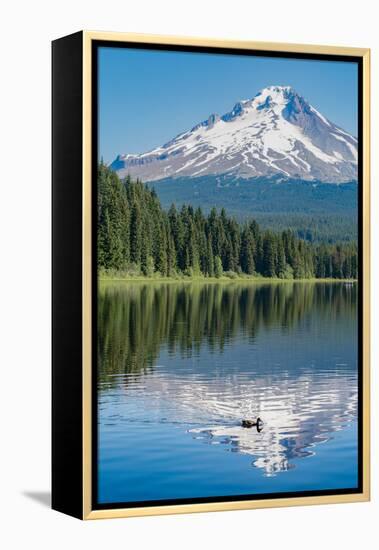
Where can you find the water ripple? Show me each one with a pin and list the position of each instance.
(186, 359)
(297, 413)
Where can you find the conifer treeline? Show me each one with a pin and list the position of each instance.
(136, 235)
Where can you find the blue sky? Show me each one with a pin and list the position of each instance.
(148, 97)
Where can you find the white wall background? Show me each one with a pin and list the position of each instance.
(27, 27)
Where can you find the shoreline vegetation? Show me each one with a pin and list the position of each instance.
(201, 279)
(138, 240)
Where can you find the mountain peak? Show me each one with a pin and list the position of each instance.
(277, 90)
(271, 97)
(277, 132)
(276, 95)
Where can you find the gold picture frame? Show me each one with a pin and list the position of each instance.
(83, 507)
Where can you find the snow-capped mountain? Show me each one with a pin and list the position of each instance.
(277, 132)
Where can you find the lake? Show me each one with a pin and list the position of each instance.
(181, 364)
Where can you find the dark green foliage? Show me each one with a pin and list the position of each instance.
(248, 250)
(269, 255)
(218, 267)
(136, 235)
(316, 212)
(113, 221)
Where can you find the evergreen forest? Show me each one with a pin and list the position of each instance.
(137, 237)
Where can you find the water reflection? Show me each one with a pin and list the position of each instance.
(297, 416)
(204, 356)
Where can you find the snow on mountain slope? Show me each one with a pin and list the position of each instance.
(276, 133)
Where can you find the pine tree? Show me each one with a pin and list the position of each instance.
(209, 266)
(161, 260)
(218, 267)
(247, 251)
(269, 255)
(177, 232)
(281, 260)
(135, 234)
(171, 255)
(113, 220)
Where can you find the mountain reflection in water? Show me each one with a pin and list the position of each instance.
(201, 357)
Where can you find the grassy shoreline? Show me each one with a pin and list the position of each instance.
(212, 280)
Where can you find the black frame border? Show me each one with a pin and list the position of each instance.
(95, 45)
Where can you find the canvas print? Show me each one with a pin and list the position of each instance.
(227, 238)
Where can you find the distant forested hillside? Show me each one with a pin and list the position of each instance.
(317, 212)
(136, 235)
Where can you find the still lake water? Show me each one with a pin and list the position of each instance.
(181, 364)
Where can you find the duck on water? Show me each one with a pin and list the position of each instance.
(258, 423)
